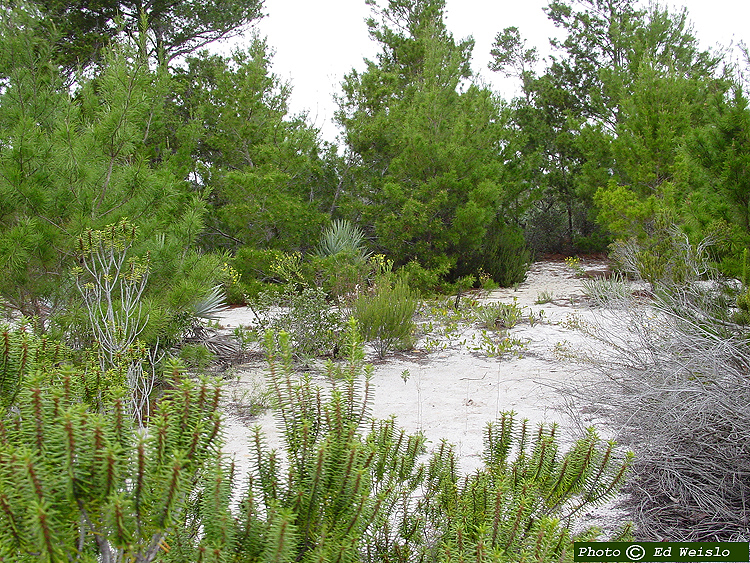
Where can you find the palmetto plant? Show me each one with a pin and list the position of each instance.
(210, 305)
(344, 237)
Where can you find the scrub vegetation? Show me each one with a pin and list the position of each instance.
(146, 184)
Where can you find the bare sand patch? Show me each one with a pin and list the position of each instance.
(452, 393)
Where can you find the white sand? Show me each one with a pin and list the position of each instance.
(452, 393)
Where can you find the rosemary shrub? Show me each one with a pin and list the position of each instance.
(23, 352)
(78, 485)
(522, 504)
(352, 489)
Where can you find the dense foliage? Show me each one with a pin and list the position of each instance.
(429, 145)
(630, 124)
(84, 160)
(672, 379)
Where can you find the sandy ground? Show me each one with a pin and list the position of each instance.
(452, 389)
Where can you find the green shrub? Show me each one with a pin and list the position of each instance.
(254, 267)
(231, 280)
(252, 289)
(499, 315)
(82, 485)
(597, 241)
(339, 275)
(306, 315)
(196, 356)
(255, 263)
(385, 316)
(22, 352)
(521, 505)
(427, 281)
(504, 255)
(742, 314)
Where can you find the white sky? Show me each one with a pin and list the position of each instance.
(317, 42)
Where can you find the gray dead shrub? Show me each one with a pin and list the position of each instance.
(672, 380)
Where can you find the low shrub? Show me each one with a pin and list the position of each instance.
(196, 356)
(522, 504)
(231, 280)
(574, 263)
(672, 380)
(305, 314)
(88, 485)
(485, 280)
(544, 296)
(385, 315)
(427, 281)
(496, 316)
(607, 292)
(344, 274)
(504, 255)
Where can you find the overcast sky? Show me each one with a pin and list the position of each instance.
(316, 42)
